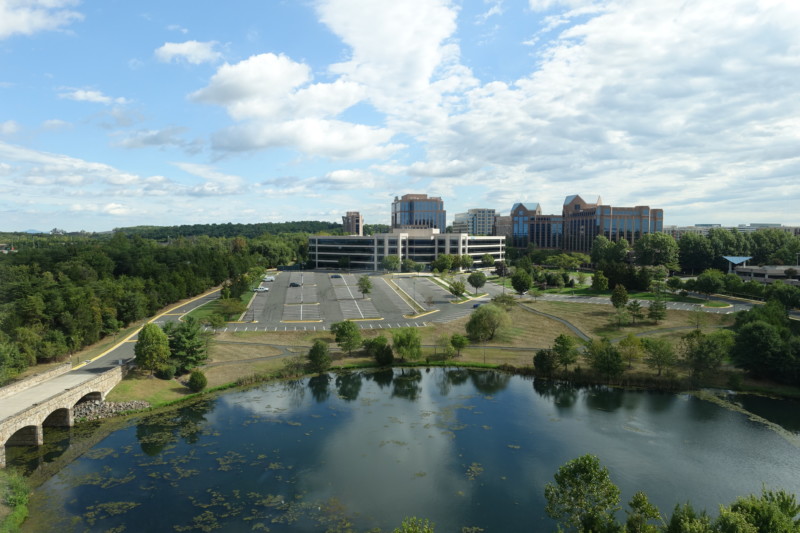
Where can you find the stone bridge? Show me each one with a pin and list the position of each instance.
(24, 428)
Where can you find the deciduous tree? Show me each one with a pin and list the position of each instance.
(152, 347)
(407, 343)
(485, 322)
(365, 285)
(347, 335)
(319, 359)
(477, 279)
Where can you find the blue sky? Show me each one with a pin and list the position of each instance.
(116, 113)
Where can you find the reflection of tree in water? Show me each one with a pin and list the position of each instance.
(406, 384)
(382, 378)
(188, 423)
(348, 385)
(450, 378)
(660, 401)
(296, 390)
(320, 387)
(563, 393)
(489, 381)
(604, 398)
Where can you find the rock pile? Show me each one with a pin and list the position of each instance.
(95, 409)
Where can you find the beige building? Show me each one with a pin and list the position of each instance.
(353, 223)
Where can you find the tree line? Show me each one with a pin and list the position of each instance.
(62, 295)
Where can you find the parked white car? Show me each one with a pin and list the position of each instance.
(269, 278)
(261, 289)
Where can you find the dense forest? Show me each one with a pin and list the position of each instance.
(63, 293)
(250, 231)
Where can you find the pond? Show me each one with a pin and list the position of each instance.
(359, 451)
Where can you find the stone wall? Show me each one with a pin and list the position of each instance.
(31, 381)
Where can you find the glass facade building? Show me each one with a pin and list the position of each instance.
(580, 222)
(418, 211)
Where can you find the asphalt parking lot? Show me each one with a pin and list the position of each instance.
(314, 300)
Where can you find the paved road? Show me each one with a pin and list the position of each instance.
(121, 351)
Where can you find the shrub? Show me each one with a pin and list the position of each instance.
(197, 381)
(166, 371)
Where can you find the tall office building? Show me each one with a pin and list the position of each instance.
(353, 223)
(580, 222)
(417, 211)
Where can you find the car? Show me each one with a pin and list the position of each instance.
(336, 276)
(294, 284)
(475, 306)
(268, 278)
(261, 289)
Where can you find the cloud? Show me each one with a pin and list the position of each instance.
(55, 124)
(280, 106)
(168, 137)
(216, 183)
(193, 52)
(26, 17)
(115, 209)
(90, 95)
(9, 127)
(178, 28)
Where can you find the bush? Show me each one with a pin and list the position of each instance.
(197, 381)
(166, 371)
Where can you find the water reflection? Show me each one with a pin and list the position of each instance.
(564, 394)
(348, 385)
(320, 387)
(461, 447)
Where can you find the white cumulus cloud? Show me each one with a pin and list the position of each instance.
(26, 17)
(91, 95)
(194, 52)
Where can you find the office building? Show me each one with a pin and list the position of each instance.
(575, 229)
(353, 223)
(418, 211)
(419, 245)
(474, 222)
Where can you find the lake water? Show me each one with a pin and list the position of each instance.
(360, 451)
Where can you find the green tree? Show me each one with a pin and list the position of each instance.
(408, 265)
(407, 343)
(599, 281)
(457, 288)
(545, 361)
(566, 350)
(379, 349)
(443, 263)
(605, 358)
(477, 279)
(487, 260)
(391, 263)
(365, 285)
(697, 317)
(467, 261)
(630, 348)
(641, 513)
(710, 282)
(619, 296)
(197, 381)
(504, 301)
(232, 307)
(187, 342)
(657, 249)
(659, 353)
(319, 359)
(443, 343)
(621, 316)
(459, 342)
(521, 281)
(703, 353)
(152, 348)
(635, 310)
(347, 335)
(485, 322)
(583, 496)
(216, 321)
(695, 252)
(657, 310)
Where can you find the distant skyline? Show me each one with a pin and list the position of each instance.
(119, 114)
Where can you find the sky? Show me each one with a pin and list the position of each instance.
(116, 113)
